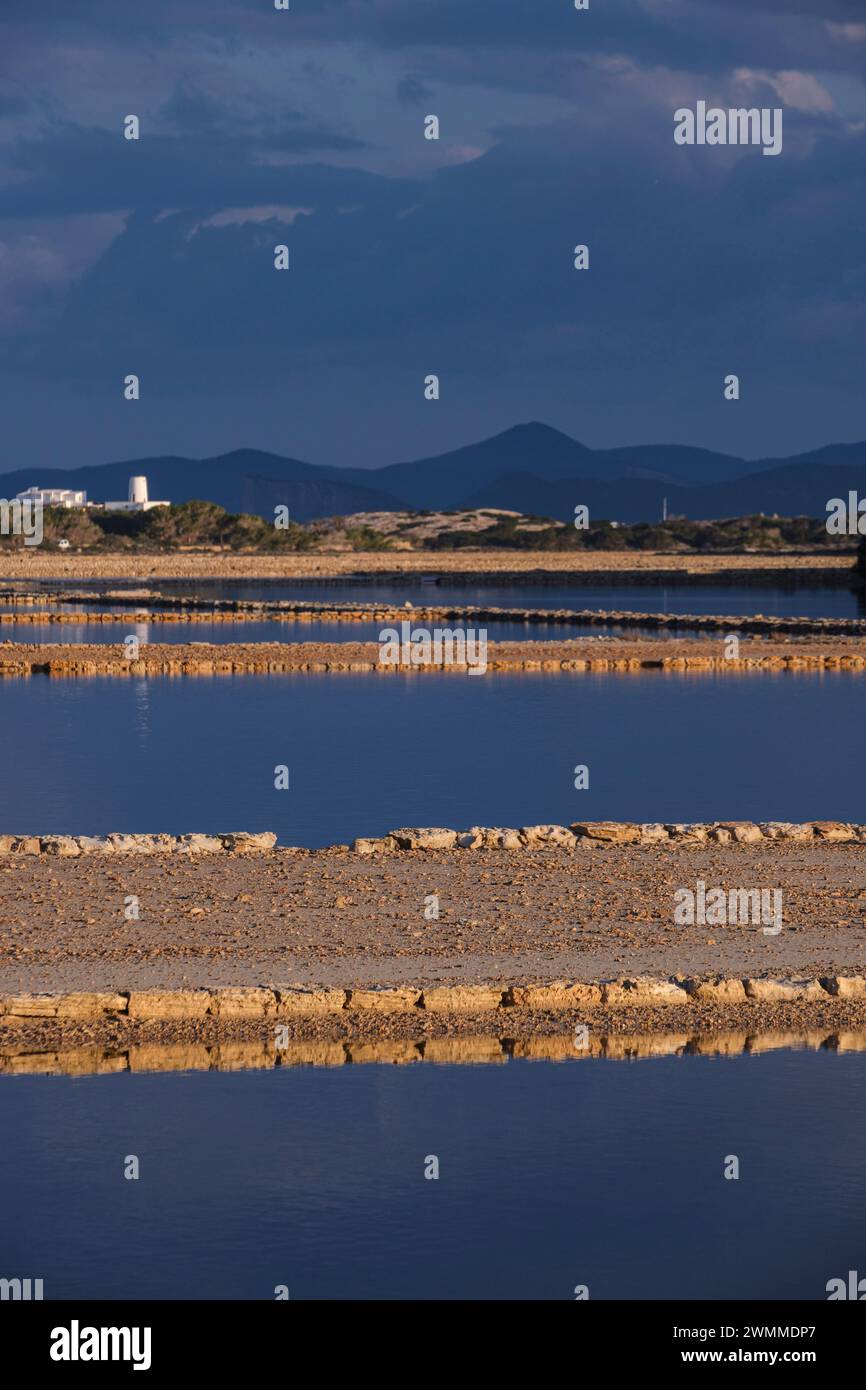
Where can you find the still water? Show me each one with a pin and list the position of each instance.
(602, 1173)
(773, 601)
(800, 600)
(368, 753)
(276, 631)
(587, 1172)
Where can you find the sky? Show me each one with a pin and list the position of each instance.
(410, 256)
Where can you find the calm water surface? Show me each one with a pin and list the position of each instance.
(787, 600)
(114, 633)
(593, 1172)
(586, 1172)
(369, 753)
(772, 600)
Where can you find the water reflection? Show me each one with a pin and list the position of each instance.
(263, 1054)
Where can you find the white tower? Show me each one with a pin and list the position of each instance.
(138, 490)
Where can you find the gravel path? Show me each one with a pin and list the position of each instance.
(38, 563)
(338, 919)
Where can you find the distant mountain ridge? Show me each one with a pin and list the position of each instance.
(531, 468)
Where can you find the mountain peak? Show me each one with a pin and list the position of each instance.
(538, 432)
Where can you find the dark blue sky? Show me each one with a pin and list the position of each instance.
(411, 256)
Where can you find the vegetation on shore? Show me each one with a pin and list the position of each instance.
(199, 525)
(735, 534)
(189, 525)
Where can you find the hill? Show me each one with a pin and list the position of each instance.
(530, 468)
(801, 490)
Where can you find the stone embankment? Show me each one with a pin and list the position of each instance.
(163, 608)
(577, 997)
(72, 846)
(591, 833)
(578, 835)
(580, 655)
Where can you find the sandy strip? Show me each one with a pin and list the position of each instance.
(38, 563)
(332, 919)
(571, 655)
(336, 947)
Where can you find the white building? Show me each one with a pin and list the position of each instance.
(137, 501)
(53, 497)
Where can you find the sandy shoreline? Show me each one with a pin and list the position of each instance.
(38, 563)
(569, 655)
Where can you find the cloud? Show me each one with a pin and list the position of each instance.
(463, 154)
(410, 256)
(798, 90)
(159, 171)
(847, 33)
(237, 217)
(696, 34)
(37, 267)
(482, 266)
(412, 91)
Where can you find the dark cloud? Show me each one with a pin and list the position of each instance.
(701, 35)
(475, 263)
(702, 261)
(412, 91)
(70, 170)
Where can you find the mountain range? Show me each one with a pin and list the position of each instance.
(530, 468)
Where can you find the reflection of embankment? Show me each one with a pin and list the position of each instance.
(467, 1051)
